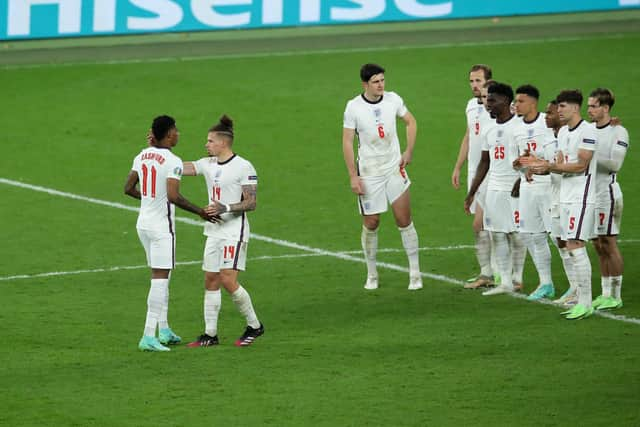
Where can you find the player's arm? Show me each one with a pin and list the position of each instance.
(189, 169)
(248, 202)
(462, 157)
(584, 158)
(174, 196)
(349, 160)
(131, 186)
(412, 131)
(481, 172)
(616, 157)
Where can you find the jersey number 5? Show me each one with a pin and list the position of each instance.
(381, 131)
(145, 179)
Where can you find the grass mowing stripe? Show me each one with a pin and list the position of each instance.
(288, 244)
(321, 51)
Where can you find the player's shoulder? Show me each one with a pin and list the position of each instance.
(242, 162)
(621, 132)
(473, 104)
(356, 100)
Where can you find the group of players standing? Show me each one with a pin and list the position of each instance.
(534, 174)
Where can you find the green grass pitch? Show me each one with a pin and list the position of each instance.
(75, 113)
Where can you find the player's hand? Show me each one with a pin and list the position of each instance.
(207, 216)
(357, 186)
(455, 178)
(468, 201)
(528, 175)
(215, 209)
(515, 190)
(559, 157)
(405, 159)
(615, 121)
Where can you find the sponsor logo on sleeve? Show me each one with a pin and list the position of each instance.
(588, 141)
(622, 144)
(252, 177)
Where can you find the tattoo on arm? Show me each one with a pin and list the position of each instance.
(248, 203)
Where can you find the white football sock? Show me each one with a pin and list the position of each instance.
(212, 304)
(494, 262)
(483, 252)
(369, 240)
(410, 242)
(567, 262)
(163, 321)
(541, 255)
(605, 283)
(519, 253)
(155, 301)
(616, 287)
(582, 267)
(243, 301)
(503, 256)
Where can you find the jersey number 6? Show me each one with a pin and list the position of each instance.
(381, 131)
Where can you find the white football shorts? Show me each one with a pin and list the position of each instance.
(577, 221)
(534, 207)
(160, 248)
(381, 191)
(223, 254)
(609, 212)
(480, 198)
(501, 212)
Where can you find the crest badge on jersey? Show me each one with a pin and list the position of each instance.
(218, 173)
(377, 112)
(500, 132)
(530, 132)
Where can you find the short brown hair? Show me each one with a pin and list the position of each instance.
(485, 68)
(604, 96)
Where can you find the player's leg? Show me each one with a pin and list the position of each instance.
(579, 229)
(533, 229)
(211, 261)
(503, 259)
(371, 205)
(483, 243)
(612, 298)
(498, 218)
(400, 200)
(160, 256)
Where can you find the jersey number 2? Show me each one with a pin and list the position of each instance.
(145, 179)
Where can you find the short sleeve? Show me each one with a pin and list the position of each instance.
(589, 139)
(401, 109)
(249, 175)
(200, 165)
(175, 169)
(622, 138)
(349, 119)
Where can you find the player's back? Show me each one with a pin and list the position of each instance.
(154, 166)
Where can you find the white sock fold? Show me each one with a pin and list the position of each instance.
(155, 302)
(163, 321)
(582, 267)
(242, 300)
(410, 242)
(212, 304)
(483, 252)
(369, 240)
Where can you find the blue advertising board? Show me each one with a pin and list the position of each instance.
(28, 19)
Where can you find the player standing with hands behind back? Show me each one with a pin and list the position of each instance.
(378, 176)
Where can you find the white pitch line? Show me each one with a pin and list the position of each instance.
(319, 51)
(279, 242)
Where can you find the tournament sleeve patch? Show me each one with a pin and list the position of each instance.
(589, 141)
(177, 171)
(623, 144)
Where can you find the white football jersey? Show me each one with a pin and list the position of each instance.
(375, 126)
(613, 142)
(501, 142)
(154, 167)
(478, 121)
(536, 138)
(580, 187)
(224, 184)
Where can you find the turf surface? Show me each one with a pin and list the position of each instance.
(332, 354)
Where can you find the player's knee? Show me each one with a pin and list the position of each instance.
(371, 222)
